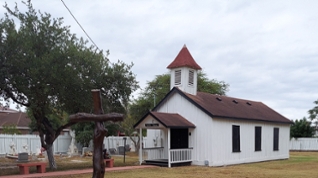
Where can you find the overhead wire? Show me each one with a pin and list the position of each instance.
(79, 25)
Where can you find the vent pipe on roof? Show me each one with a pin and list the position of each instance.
(248, 103)
(218, 98)
(234, 101)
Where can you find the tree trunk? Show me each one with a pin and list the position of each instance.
(98, 159)
(136, 143)
(50, 156)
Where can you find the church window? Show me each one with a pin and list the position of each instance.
(191, 77)
(177, 80)
(236, 138)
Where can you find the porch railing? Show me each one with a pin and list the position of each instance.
(153, 153)
(180, 155)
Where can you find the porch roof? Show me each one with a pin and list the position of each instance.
(168, 120)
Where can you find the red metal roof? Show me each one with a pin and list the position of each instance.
(171, 120)
(232, 108)
(184, 59)
(223, 106)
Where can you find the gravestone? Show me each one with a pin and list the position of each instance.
(25, 148)
(121, 150)
(12, 149)
(72, 150)
(34, 157)
(112, 151)
(23, 157)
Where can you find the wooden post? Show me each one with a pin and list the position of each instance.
(169, 145)
(140, 146)
(99, 131)
(99, 134)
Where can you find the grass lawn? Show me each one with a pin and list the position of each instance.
(300, 164)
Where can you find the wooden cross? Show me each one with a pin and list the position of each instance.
(99, 132)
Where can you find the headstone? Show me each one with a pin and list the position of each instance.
(72, 150)
(84, 149)
(112, 151)
(121, 150)
(34, 157)
(23, 157)
(25, 148)
(127, 148)
(12, 149)
(106, 154)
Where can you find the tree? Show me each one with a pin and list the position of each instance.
(46, 68)
(157, 89)
(129, 130)
(301, 128)
(313, 113)
(84, 131)
(11, 130)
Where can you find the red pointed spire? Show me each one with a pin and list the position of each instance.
(184, 59)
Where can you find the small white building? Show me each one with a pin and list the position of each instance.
(212, 130)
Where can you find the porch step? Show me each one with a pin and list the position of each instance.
(156, 164)
(165, 164)
(181, 164)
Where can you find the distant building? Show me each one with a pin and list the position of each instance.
(10, 117)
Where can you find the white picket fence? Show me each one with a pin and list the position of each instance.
(117, 141)
(60, 145)
(303, 144)
(33, 142)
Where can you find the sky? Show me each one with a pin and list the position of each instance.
(265, 50)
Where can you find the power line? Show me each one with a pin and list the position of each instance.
(79, 25)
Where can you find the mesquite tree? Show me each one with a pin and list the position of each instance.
(47, 69)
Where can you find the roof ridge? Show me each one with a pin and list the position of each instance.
(229, 97)
(18, 121)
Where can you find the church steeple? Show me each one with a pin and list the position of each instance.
(183, 71)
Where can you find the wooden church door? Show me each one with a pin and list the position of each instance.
(179, 138)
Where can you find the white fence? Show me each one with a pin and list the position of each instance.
(303, 144)
(60, 145)
(180, 155)
(33, 142)
(116, 141)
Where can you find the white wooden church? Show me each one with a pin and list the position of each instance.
(190, 127)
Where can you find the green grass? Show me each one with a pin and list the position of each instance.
(300, 164)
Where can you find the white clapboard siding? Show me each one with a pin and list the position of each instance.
(212, 138)
(222, 144)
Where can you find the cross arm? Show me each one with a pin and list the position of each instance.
(84, 117)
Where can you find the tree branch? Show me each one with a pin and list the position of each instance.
(11, 95)
(84, 117)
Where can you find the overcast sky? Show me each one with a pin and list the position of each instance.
(265, 50)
